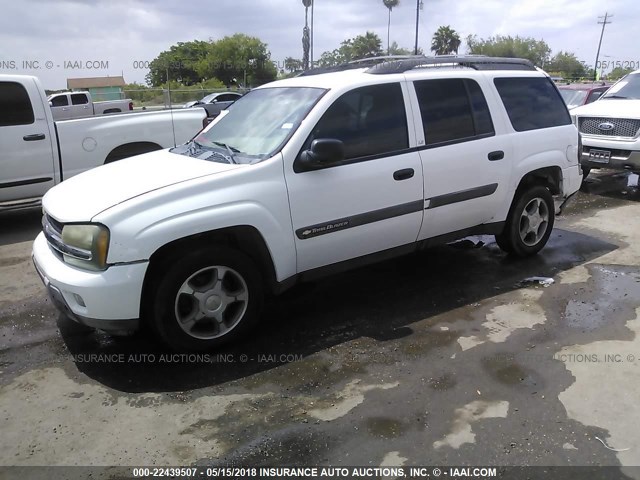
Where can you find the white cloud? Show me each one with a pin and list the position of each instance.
(124, 31)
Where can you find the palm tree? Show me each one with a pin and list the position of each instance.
(445, 41)
(390, 4)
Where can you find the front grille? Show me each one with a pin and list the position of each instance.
(622, 127)
(57, 226)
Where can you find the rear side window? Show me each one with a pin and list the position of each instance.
(532, 103)
(368, 120)
(15, 106)
(453, 110)
(79, 99)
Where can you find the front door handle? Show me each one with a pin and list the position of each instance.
(497, 155)
(403, 174)
(33, 137)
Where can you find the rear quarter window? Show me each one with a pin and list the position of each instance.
(532, 103)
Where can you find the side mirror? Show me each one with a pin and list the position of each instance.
(323, 152)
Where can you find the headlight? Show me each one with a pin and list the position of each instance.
(86, 246)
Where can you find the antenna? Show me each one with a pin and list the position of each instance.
(604, 23)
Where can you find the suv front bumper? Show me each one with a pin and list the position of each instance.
(107, 300)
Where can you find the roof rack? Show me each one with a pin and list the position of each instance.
(402, 63)
(476, 62)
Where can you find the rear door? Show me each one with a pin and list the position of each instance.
(466, 165)
(60, 107)
(26, 157)
(372, 200)
(80, 106)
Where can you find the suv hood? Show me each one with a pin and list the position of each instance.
(82, 197)
(610, 108)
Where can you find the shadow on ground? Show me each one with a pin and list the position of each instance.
(380, 301)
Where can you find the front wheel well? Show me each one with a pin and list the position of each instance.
(130, 150)
(244, 238)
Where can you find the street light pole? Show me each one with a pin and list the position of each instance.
(415, 50)
(311, 35)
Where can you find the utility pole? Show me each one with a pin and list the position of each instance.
(415, 50)
(604, 23)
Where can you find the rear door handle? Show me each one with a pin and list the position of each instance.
(403, 174)
(33, 137)
(497, 155)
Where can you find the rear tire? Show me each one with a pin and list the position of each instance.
(585, 173)
(206, 298)
(529, 223)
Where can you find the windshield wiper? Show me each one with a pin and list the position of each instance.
(230, 150)
(617, 97)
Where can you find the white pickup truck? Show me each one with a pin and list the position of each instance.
(68, 105)
(610, 128)
(38, 153)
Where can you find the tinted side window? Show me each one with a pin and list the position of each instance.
(368, 120)
(594, 95)
(228, 97)
(60, 101)
(79, 99)
(532, 103)
(452, 110)
(15, 106)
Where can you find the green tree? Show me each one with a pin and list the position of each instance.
(618, 72)
(179, 62)
(445, 41)
(506, 46)
(362, 46)
(566, 65)
(232, 59)
(292, 64)
(390, 4)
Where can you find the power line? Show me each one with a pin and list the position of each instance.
(604, 23)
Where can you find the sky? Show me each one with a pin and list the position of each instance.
(60, 39)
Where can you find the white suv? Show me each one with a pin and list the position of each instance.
(307, 176)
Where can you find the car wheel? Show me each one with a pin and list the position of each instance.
(529, 224)
(207, 298)
(585, 173)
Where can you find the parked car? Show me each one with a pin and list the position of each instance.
(68, 105)
(304, 177)
(215, 102)
(577, 94)
(38, 152)
(610, 127)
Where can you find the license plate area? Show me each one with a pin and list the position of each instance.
(599, 156)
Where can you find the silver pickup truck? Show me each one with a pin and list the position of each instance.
(68, 105)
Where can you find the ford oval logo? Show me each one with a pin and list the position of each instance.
(606, 126)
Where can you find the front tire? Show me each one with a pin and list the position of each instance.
(529, 224)
(207, 298)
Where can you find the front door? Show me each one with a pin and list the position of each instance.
(372, 200)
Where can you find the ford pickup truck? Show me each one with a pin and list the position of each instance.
(68, 105)
(38, 152)
(610, 128)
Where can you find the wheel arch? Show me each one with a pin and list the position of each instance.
(130, 150)
(244, 238)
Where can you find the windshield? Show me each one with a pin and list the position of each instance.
(628, 87)
(261, 121)
(573, 98)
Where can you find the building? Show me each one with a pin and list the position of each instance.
(101, 88)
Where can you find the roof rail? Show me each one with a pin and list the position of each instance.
(477, 62)
(352, 65)
(403, 63)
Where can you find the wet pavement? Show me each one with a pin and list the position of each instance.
(444, 357)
